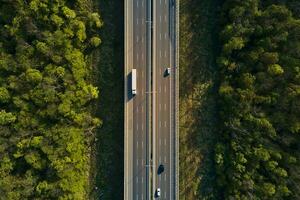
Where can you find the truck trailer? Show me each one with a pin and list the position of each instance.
(133, 82)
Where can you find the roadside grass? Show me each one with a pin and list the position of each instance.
(198, 112)
(108, 157)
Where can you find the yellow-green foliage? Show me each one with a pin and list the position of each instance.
(45, 123)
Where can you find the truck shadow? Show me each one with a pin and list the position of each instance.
(129, 87)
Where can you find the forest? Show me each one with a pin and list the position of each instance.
(239, 99)
(257, 156)
(46, 121)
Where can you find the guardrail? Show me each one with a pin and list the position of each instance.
(177, 98)
(149, 95)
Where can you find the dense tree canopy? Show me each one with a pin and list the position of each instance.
(258, 157)
(45, 121)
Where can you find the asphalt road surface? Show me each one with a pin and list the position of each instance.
(164, 132)
(140, 141)
(146, 120)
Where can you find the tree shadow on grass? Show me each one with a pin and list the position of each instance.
(110, 70)
(198, 112)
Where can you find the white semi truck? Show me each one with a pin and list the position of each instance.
(133, 81)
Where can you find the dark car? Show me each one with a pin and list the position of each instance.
(160, 169)
(173, 2)
(167, 72)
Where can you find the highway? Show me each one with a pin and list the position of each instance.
(136, 172)
(150, 116)
(164, 132)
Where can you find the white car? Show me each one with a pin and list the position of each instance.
(158, 192)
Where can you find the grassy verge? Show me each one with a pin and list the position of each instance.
(198, 121)
(108, 175)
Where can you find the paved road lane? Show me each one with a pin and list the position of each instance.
(164, 132)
